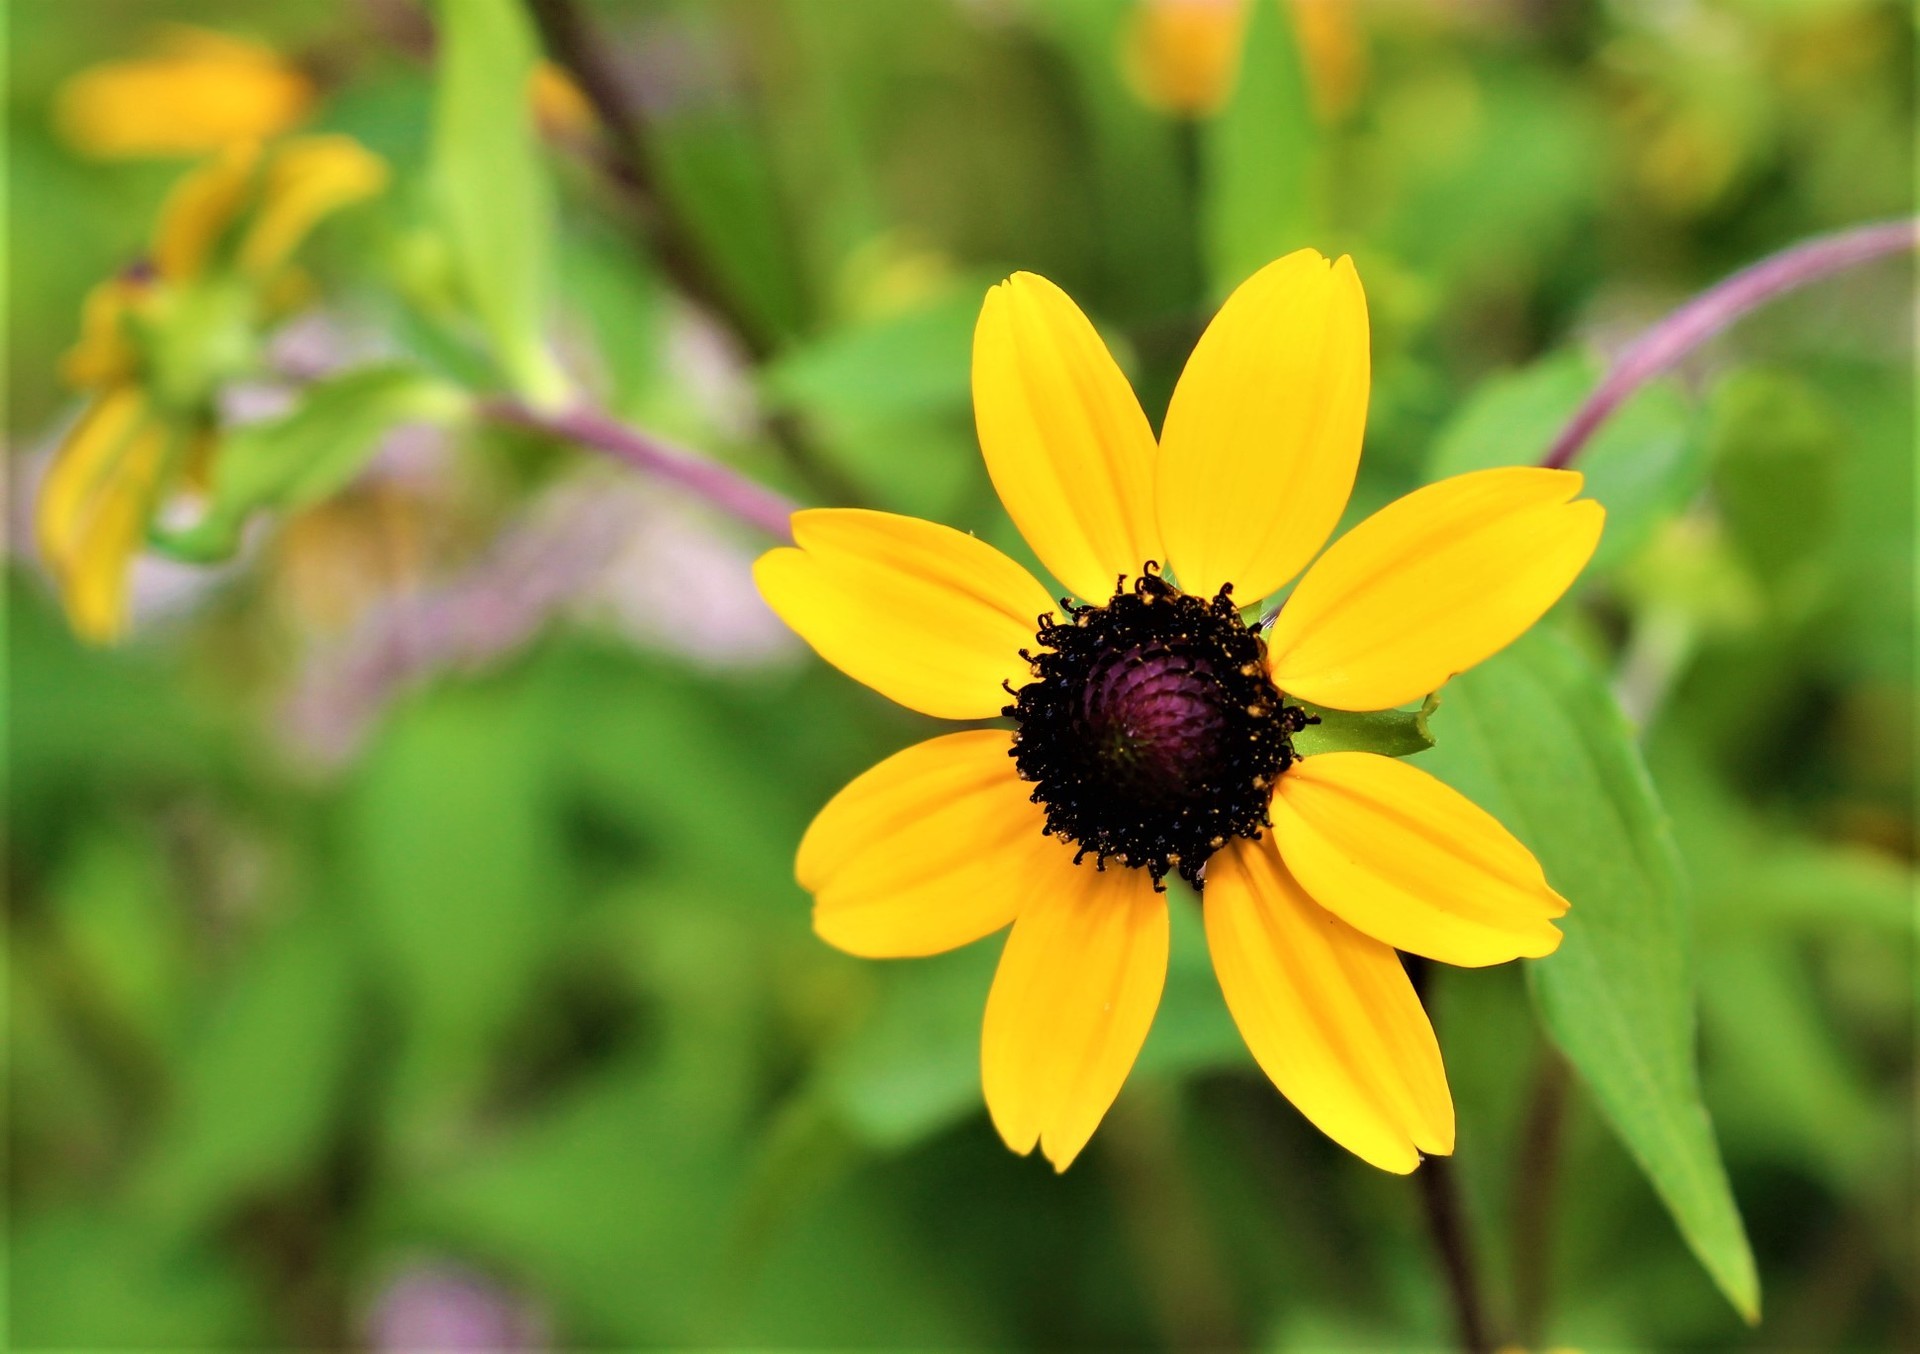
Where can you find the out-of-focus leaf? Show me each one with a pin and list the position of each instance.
(605, 1202)
(712, 163)
(627, 309)
(260, 1076)
(1806, 1098)
(109, 725)
(1260, 159)
(123, 926)
(306, 455)
(1776, 465)
(1490, 169)
(888, 401)
(1645, 462)
(457, 867)
(1533, 736)
(914, 363)
(1145, 238)
(94, 1279)
(492, 184)
(913, 1067)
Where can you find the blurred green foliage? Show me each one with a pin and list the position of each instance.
(524, 984)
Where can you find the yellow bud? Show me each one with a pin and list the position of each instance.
(1182, 55)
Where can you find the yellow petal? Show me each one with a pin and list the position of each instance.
(1327, 1011)
(201, 209)
(104, 355)
(1430, 585)
(560, 106)
(1412, 862)
(1263, 435)
(1064, 439)
(1071, 1003)
(925, 615)
(92, 513)
(935, 847)
(305, 181)
(205, 90)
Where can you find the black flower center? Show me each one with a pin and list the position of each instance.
(1150, 731)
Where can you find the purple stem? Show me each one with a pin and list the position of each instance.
(728, 490)
(1672, 338)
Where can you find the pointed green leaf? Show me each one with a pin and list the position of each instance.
(1533, 736)
(308, 454)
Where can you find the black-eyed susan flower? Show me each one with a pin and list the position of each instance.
(1153, 728)
(193, 92)
(158, 338)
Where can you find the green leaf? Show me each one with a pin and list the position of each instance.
(308, 454)
(493, 188)
(1391, 733)
(1534, 737)
(457, 868)
(93, 1277)
(1145, 245)
(1646, 460)
(914, 363)
(259, 1076)
(1260, 159)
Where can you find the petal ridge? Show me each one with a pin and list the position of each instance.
(1327, 1012)
(1401, 856)
(928, 850)
(1074, 996)
(1263, 434)
(927, 616)
(1432, 584)
(1068, 449)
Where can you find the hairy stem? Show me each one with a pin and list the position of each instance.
(741, 498)
(1447, 1224)
(1447, 1220)
(1536, 1175)
(1693, 323)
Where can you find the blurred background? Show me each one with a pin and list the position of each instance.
(404, 951)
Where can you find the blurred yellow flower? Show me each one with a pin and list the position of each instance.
(560, 107)
(1183, 56)
(94, 507)
(196, 91)
(1153, 729)
(155, 340)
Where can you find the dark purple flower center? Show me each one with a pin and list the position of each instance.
(1150, 730)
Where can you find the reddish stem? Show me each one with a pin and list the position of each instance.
(741, 498)
(1686, 328)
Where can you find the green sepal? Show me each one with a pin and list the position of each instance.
(307, 455)
(1390, 733)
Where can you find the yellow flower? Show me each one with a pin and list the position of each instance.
(197, 91)
(560, 106)
(157, 337)
(94, 505)
(1183, 56)
(1153, 728)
